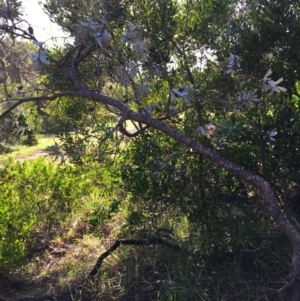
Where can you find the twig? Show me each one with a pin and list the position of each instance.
(296, 221)
(29, 99)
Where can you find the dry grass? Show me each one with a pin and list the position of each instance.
(56, 271)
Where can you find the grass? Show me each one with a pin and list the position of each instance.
(23, 151)
(59, 251)
(66, 241)
(57, 270)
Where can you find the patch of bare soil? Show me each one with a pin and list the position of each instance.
(34, 155)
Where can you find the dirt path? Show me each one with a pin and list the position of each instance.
(33, 155)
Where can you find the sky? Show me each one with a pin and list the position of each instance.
(43, 28)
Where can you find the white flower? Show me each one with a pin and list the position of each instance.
(37, 43)
(140, 49)
(181, 93)
(201, 131)
(91, 24)
(247, 97)
(266, 77)
(272, 134)
(233, 62)
(101, 38)
(270, 85)
(130, 35)
(38, 58)
(210, 129)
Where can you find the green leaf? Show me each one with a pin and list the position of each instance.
(227, 124)
(296, 100)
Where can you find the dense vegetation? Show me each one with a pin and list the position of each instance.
(145, 104)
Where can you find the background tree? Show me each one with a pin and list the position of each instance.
(17, 78)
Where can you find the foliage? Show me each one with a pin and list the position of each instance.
(16, 77)
(67, 114)
(192, 83)
(263, 33)
(15, 129)
(37, 197)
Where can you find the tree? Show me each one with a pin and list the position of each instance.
(15, 73)
(147, 67)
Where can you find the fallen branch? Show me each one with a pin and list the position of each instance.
(131, 242)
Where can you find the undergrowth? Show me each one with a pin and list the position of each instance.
(55, 221)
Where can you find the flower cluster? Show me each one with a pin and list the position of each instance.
(130, 35)
(39, 57)
(246, 97)
(139, 47)
(270, 85)
(100, 35)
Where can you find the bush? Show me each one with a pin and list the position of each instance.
(36, 198)
(15, 129)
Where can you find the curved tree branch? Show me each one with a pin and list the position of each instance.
(264, 187)
(32, 99)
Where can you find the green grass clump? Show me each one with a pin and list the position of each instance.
(37, 197)
(55, 221)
